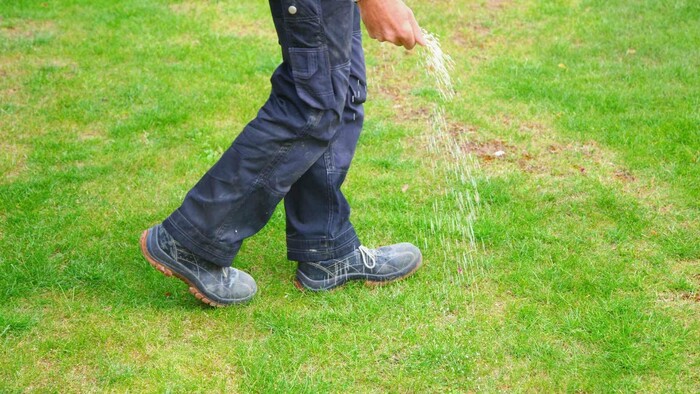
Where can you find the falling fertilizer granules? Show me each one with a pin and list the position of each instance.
(450, 225)
(438, 65)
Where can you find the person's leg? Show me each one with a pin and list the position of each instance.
(237, 196)
(318, 215)
(294, 128)
(319, 233)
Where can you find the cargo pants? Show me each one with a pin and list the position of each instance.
(298, 148)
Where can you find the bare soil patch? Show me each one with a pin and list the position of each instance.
(624, 175)
(488, 150)
(680, 297)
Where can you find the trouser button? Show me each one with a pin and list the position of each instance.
(292, 9)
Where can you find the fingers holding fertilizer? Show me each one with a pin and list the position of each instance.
(418, 33)
(392, 21)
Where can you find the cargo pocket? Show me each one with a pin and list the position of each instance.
(311, 71)
(358, 91)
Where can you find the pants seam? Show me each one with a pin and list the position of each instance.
(329, 189)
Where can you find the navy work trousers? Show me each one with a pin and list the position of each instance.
(298, 148)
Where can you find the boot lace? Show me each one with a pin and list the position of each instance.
(369, 257)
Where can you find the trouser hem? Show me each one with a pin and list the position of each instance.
(180, 228)
(319, 249)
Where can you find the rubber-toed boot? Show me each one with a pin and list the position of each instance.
(375, 266)
(210, 283)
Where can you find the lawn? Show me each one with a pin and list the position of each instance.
(585, 271)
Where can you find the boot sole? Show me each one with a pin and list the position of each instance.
(170, 273)
(368, 283)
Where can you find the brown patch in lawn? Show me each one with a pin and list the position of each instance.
(473, 35)
(695, 297)
(496, 4)
(546, 153)
(396, 91)
(407, 111)
(91, 135)
(479, 30)
(459, 130)
(624, 175)
(687, 269)
(11, 94)
(528, 163)
(25, 28)
(680, 297)
(488, 150)
(10, 66)
(13, 159)
(189, 7)
(531, 128)
(388, 85)
(539, 150)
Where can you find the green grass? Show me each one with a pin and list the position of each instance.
(589, 279)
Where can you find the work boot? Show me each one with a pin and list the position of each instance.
(212, 284)
(375, 266)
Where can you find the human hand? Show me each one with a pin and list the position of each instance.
(392, 21)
